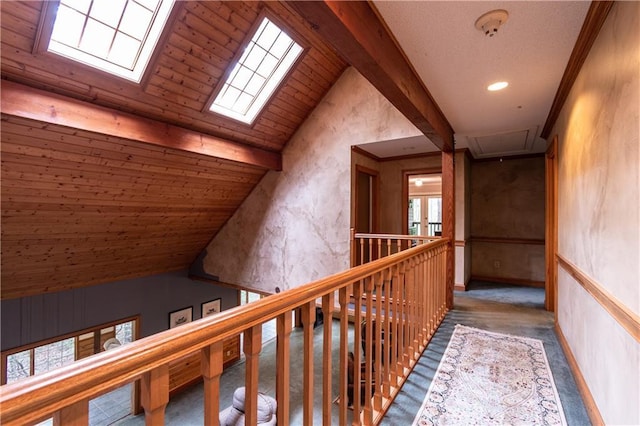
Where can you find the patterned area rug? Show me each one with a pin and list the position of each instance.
(487, 378)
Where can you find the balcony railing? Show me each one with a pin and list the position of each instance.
(397, 302)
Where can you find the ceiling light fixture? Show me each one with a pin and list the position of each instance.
(418, 182)
(491, 21)
(499, 85)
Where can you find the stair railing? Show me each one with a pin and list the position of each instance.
(392, 329)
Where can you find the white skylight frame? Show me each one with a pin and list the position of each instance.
(265, 62)
(108, 16)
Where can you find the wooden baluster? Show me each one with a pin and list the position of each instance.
(283, 356)
(388, 246)
(76, 414)
(379, 254)
(352, 240)
(357, 344)
(211, 361)
(410, 274)
(362, 251)
(308, 318)
(371, 245)
(252, 345)
(387, 331)
(380, 342)
(327, 396)
(395, 313)
(154, 386)
(431, 292)
(343, 299)
(368, 353)
(422, 332)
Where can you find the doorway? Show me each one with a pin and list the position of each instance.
(366, 210)
(422, 203)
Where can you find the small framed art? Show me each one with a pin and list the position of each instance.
(211, 308)
(180, 317)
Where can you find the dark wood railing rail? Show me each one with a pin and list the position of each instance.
(409, 304)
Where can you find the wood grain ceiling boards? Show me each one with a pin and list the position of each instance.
(82, 208)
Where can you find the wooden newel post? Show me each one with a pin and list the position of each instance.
(154, 387)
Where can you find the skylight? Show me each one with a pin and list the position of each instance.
(117, 36)
(264, 63)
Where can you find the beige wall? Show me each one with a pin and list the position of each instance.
(599, 213)
(507, 201)
(294, 227)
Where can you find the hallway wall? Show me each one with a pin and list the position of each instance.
(294, 227)
(507, 220)
(599, 214)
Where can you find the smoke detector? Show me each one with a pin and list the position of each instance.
(491, 21)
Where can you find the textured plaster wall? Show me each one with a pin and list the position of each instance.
(599, 213)
(294, 227)
(507, 201)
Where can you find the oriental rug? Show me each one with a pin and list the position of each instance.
(487, 378)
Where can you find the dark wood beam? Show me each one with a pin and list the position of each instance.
(26, 102)
(596, 16)
(357, 33)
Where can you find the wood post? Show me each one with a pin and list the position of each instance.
(327, 396)
(308, 318)
(252, 345)
(155, 395)
(284, 326)
(211, 367)
(73, 415)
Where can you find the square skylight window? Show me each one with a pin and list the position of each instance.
(117, 36)
(265, 62)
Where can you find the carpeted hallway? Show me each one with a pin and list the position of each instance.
(503, 309)
(500, 308)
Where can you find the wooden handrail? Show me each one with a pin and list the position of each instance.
(44, 395)
(395, 236)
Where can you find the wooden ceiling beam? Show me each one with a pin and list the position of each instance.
(26, 102)
(356, 32)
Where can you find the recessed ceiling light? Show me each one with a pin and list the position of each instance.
(497, 86)
(418, 182)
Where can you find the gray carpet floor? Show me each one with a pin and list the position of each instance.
(494, 307)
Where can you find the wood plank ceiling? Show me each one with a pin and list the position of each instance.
(82, 207)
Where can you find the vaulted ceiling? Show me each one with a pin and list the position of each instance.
(105, 179)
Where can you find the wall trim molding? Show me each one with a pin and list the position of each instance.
(623, 315)
(581, 383)
(460, 243)
(596, 16)
(507, 280)
(507, 240)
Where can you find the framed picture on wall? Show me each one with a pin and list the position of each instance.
(180, 317)
(211, 308)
